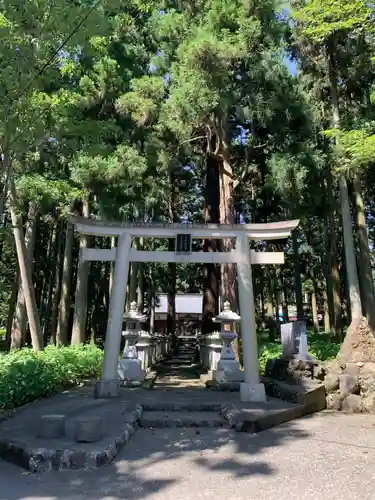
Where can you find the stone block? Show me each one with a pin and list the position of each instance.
(131, 370)
(352, 368)
(78, 459)
(319, 371)
(366, 384)
(368, 403)
(367, 369)
(88, 430)
(309, 393)
(51, 426)
(352, 404)
(331, 382)
(334, 401)
(105, 389)
(333, 367)
(252, 393)
(348, 384)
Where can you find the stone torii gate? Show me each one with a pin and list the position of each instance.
(251, 389)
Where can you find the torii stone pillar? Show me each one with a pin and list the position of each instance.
(109, 385)
(251, 389)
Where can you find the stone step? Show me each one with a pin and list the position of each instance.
(158, 419)
(178, 362)
(181, 406)
(308, 393)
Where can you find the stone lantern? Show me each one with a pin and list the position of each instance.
(130, 367)
(228, 368)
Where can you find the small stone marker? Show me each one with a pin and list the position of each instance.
(290, 337)
(51, 426)
(88, 429)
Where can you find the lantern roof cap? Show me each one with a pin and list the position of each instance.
(134, 315)
(227, 314)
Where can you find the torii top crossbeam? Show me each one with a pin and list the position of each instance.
(269, 231)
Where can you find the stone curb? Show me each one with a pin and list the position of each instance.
(44, 460)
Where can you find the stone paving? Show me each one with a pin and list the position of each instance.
(179, 399)
(326, 456)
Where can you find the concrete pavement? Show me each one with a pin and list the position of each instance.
(321, 457)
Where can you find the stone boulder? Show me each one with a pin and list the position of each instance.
(334, 401)
(352, 404)
(331, 382)
(348, 384)
(358, 345)
(350, 379)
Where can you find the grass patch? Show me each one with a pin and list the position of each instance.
(26, 375)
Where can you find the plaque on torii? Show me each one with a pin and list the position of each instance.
(183, 243)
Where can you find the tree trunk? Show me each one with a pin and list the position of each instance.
(66, 284)
(57, 289)
(210, 306)
(365, 261)
(80, 306)
(25, 272)
(12, 307)
(141, 282)
(285, 299)
(314, 308)
(228, 277)
(297, 276)
(350, 260)
(333, 280)
(113, 245)
(20, 317)
(171, 294)
(351, 266)
(48, 299)
(133, 282)
(327, 320)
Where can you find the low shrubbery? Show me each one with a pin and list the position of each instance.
(322, 347)
(26, 375)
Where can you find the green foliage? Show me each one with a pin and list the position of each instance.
(356, 148)
(26, 375)
(322, 347)
(324, 18)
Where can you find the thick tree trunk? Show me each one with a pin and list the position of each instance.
(66, 284)
(367, 286)
(350, 260)
(210, 307)
(228, 277)
(25, 272)
(80, 306)
(297, 276)
(333, 280)
(20, 317)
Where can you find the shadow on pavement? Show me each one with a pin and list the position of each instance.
(153, 462)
